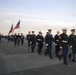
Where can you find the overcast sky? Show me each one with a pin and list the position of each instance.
(38, 15)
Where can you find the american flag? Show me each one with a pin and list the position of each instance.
(17, 26)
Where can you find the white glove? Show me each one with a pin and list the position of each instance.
(70, 46)
(46, 44)
(30, 42)
(55, 44)
(60, 47)
(43, 42)
(37, 43)
(27, 41)
(39, 39)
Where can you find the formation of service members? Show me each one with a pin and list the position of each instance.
(10, 38)
(18, 39)
(62, 43)
(34, 40)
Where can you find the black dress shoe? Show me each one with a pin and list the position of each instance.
(59, 57)
(45, 53)
(51, 58)
(69, 55)
(73, 60)
(32, 51)
(39, 53)
(66, 63)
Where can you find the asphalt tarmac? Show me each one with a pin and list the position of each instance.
(18, 60)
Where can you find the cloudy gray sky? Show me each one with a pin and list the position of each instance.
(38, 15)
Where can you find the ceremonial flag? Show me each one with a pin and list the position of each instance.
(17, 26)
(11, 29)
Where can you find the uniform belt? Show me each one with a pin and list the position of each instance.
(21, 37)
(64, 41)
(39, 40)
(57, 40)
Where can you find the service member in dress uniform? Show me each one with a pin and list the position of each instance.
(33, 41)
(28, 37)
(57, 43)
(0, 37)
(8, 37)
(39, 42)
(48, 42)
(18, 39)
(46, 45)
(15, 39)
(12, 38)
(22, 39)
(72, 43)
(64, 45)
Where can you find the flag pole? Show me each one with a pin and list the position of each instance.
(12, 24)
(12, 33)
(19, 28)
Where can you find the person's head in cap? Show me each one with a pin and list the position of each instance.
(64, 30)
(21, 34)
(18, 33)
(73, 31)
(40, 33)
(46, 33)
(32, 32)
(58, 32)
(15, 34)
(49, 31)
(29, 32)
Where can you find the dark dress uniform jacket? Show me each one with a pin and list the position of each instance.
(15, 37)
(28, 37)
(39, 39)
(56, 39)
(22, 37)
(72, 41)
(33, 38)
(64, 41)
(18, 37)
(49, 39)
